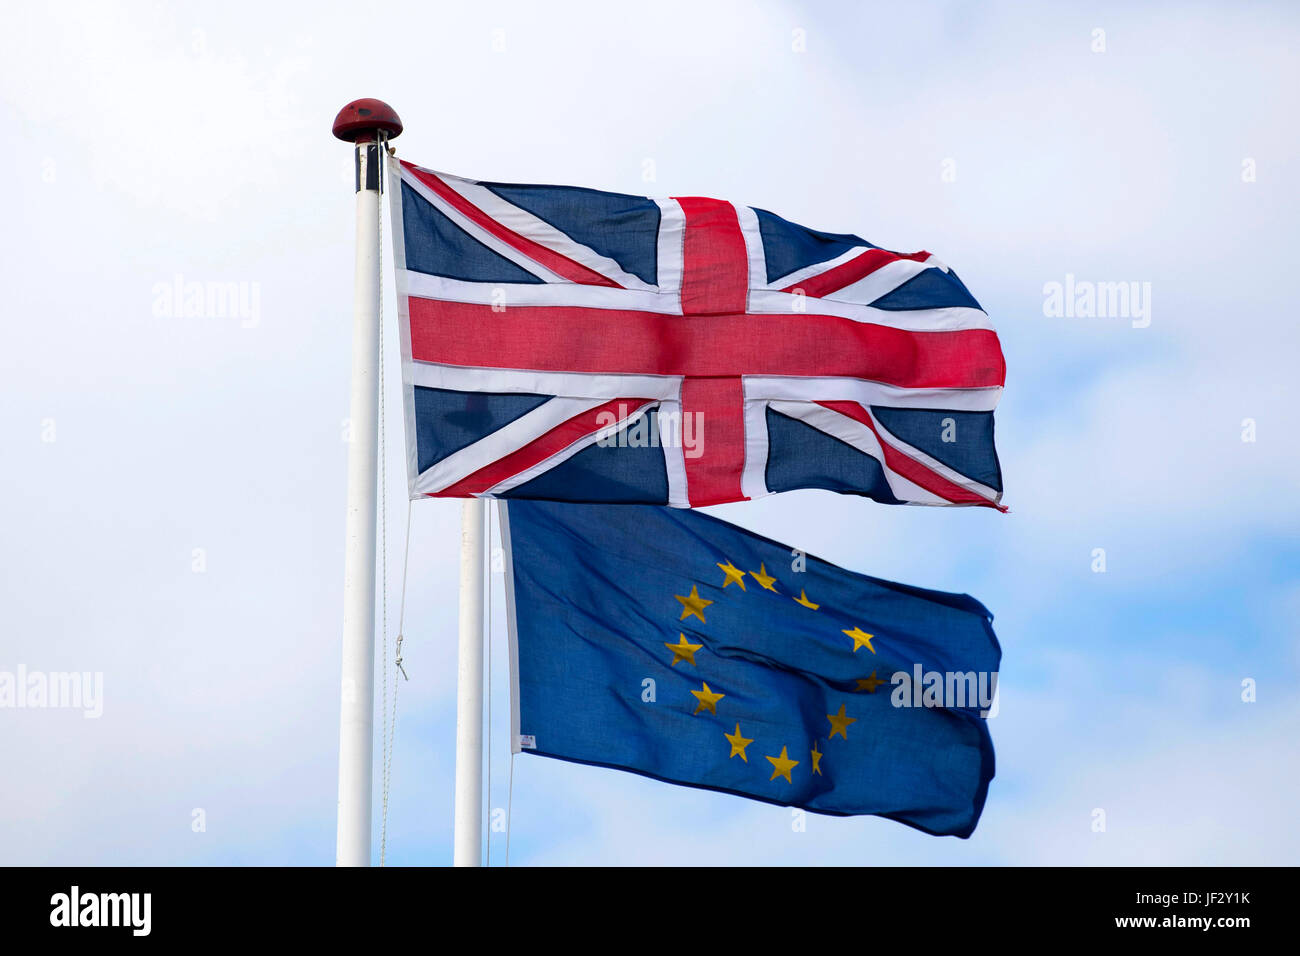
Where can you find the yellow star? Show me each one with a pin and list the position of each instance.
(693, 604)
(840, 724)
(803, 599)
(683, 650)
(870, 684)
(734, 575)
(708, 700)
(817, 759)
(738, 744)
(782, 765)
(763, 578)
(860, 639)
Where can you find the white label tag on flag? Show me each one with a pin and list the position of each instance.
(527, 742)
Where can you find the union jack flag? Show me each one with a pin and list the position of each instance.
(576, 345)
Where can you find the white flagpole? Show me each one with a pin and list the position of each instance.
(469, 691)
(368, 124)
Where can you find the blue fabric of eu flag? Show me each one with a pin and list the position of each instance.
(673, 644)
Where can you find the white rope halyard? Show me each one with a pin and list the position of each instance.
(390, 721)
(389, 711)
(487, 789)
(389, 715)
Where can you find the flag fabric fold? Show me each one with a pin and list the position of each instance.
(678, 646)
(569, 344)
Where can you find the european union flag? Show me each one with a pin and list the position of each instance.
(676, 645)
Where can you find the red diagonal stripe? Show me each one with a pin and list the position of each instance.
(542, 447)
(560, 264)
(715, 265)
(575, 339)
(911, 469)
(847, 273)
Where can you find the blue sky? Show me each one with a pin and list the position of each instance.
(149, 141)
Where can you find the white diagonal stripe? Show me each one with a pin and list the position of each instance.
(876, 284)
(816, 269)
(524, 223)
(934, 464)
(476, 231)
(504, 441)
(564, 454)
(859, 436)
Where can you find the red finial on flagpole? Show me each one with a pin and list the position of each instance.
(361, 119)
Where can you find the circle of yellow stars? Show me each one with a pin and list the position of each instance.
(707, 699)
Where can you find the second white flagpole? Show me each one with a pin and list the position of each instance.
(468, 847)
